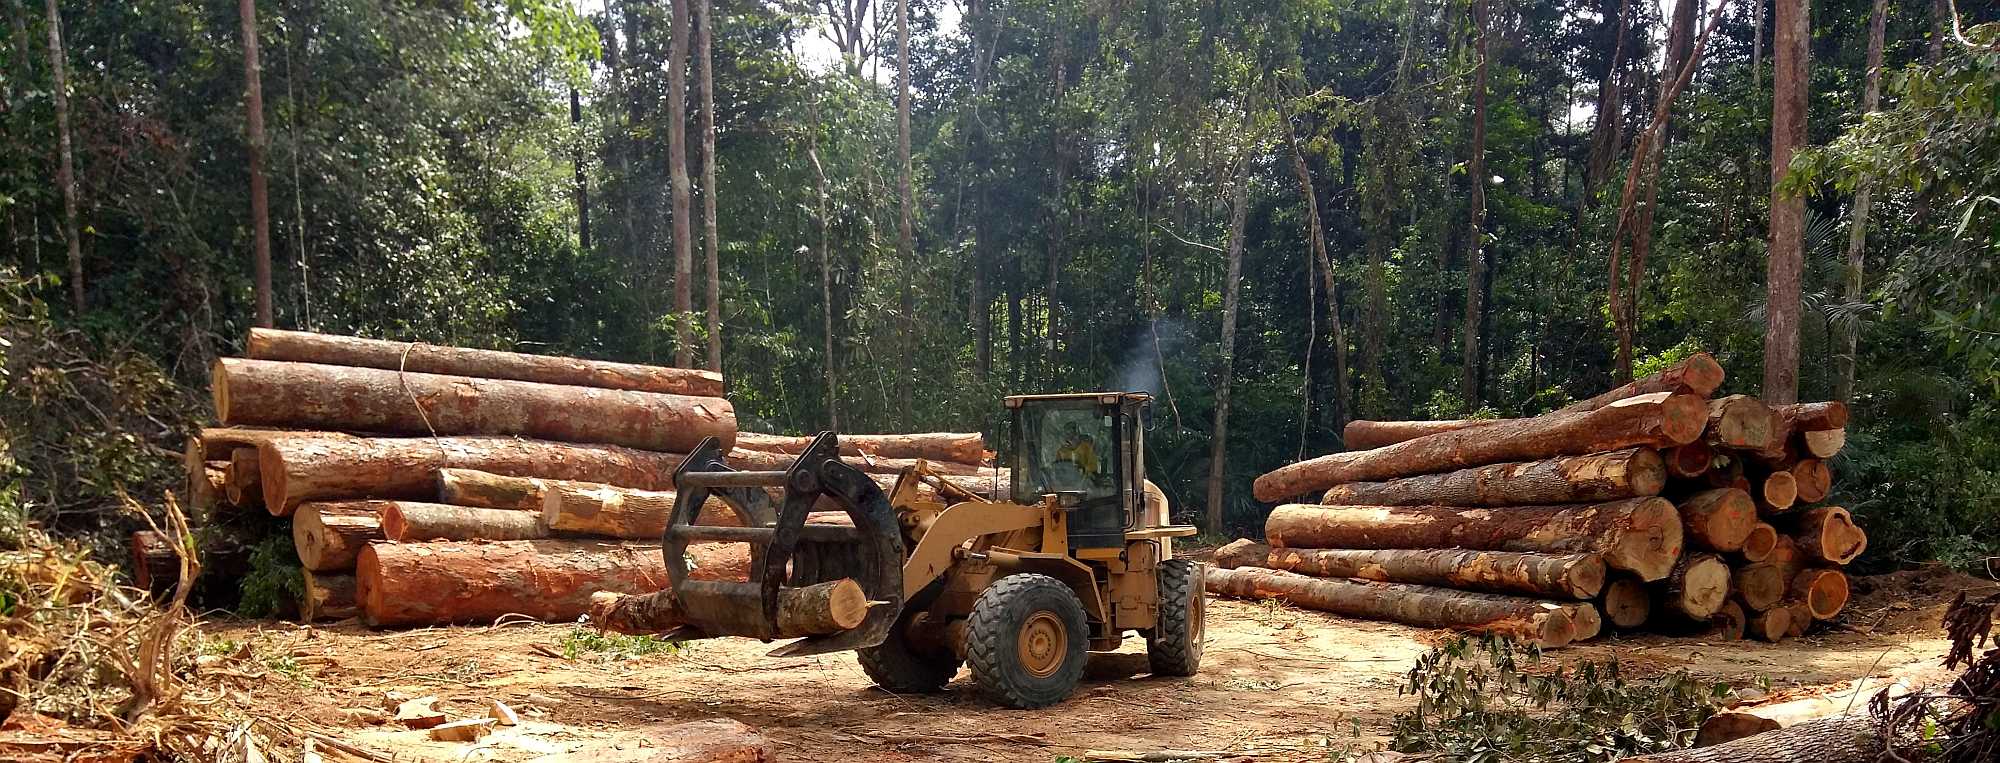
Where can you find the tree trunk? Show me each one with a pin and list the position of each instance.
(1824, 591)
(327, 597)
(1757, 546)
(1828, 534)
(1785, 553)
(1657, 420)
(409, 584)
(329, 536)
(327, 466)
(1802, 617)
(308, 395)
(417, 357)
(906, 204)
(1566, 576)
(1642, 535)
(207, 486)
(1369, 435)
(1791, 36)
(1776, 493)
(240, 481)
(1698, 586)
(1218, 436)
(1772, 625)
(1689, 461)
(1242, 552)
(956, 447)
(1848, 354)
(1760, 586)
(677, 169)
(610, 512)
(65, 157)
(704, 36)
(415, 522)
(1730, 622)
(1606, 134)
(1738, 421)
(1841, 739)
(1814, 480)
(1719, 519)
(1750, 720)
(1316, 238)
(830, 607)
(156, 567)
(1627, 603)
(1541, 622)
(582, 182)
(828, 365)
(486, 490)
(1594, 478)
(1823, 443)
(257, 144)
(1475, 261)
(1698, 375)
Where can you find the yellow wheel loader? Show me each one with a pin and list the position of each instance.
(1078, 555)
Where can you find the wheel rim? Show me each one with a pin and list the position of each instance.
(1197, 617)
(1043, 643)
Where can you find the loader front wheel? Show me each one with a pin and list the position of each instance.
(902, 664)
(1173, 646)
(1027, 641)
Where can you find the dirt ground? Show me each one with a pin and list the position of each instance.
(1277, 683)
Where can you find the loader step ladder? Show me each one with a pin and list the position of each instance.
(785, 551)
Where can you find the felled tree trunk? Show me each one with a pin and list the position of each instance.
(957, 447)
(1567, 576)
(310, 395)
(1362, 434)
(1788, 420)
(1573, 479)
(1243, 552)
(1729, 622)
(327, 597)
(1813, 479)
(813, 610)
(1653, 421)
(486, 490)
(1750, 720)
(1738, 421)
(1689, 461)
(1642, 535)
(413, 522)
(1698, 586)
(1823, 591)
(1840, 739)
(1772, 625)
(1541, 622)
(1760, 586)
(1626, 603)
(609, 512)
(404, 584)
(306, 347)
(1828, 534)
(1758, 544)
(1698, 375)
(207, 483)
(1720, 519)
(326, 466)
(329, 536)
(1823, 443)
(239, 479)
(155, 566)
(1777, 492)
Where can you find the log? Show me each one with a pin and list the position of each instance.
(1698, 375)
(486, 490)
(1689, 461)
(1729, 622)
(1813, 480)
(958, 447)
(329, 349)
(310, 395)
(1642, 535)
(1366, 435)
(1698, 586)
(1828, 534)
(1760, 586)
(1785, 554)
(1540, 622)
(1824, 591)
(1738, 421)
(1758, 544)
(156, 569)
(813, 610)
(1585, 619)
(326, 466)
(1823, 443)
(1802, 617)
(1567, 576)
(1787, 420)
(1718, 520)
(1777, 492)
(240, 484)
(1626, 603)
(1593, 478)
(1751, 719)
(1242, 552)
(219, 443)
(415, 522)
(405, 584)
(1653, 421)
(1772, 625)
(1839, 739)
(208, 485)
(611, 512)
(327, 597)
(329, 536)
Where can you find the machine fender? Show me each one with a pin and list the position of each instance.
(932, 556)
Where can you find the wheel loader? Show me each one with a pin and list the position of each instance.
(1069, 557)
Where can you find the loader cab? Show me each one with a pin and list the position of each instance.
(1087, 453)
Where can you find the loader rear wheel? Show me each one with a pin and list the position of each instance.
(902, 664)
(1173, 646)
(1027, 641)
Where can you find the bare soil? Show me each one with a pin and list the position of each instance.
(1278, 683)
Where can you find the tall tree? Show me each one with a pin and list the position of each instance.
(260, 194)
(704, 35)
(1232, 289)
(1791, 35)
(65, 157)
(581, 182)
(1316, 236)
(820, 199)
(1475, 228)
(1846, 358)
(906, 248)
(1606, 136)
(677, 166)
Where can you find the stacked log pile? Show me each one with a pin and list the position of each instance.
(429, 485)
(1654, 505)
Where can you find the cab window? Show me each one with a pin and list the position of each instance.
(1067, 449)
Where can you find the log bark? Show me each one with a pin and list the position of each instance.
(1642, 535)
(155, 566)
(1541, 622)
(1719, 519)
(327, 597)
(1689, 461)
(1698, 375)
(418, 357)
(813, 610)
(1757, 546)
(415, 522)
(1567, 576)
(1823, 443)
(406, 584)
(240, 483)
(1823, 591)
(1772, 625)
(486, 490)
(326, 466)
(311, 395)
(208, 485)
(1802, 617)
(1777, 492)
(1730, 622)
(957, 447)
(1750, 720)
(1361, 434)
(1654, 421)
(219, 443)
(1840, 739)
(1813, 480)
(1242, 552)
(329, 536)
(1593, 478)
(1760, 586)
(611, 512)
(1787, 420)
(1738, 421)
(1626, 603)
(1698, 586)
(1828, 534)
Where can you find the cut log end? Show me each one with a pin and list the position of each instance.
(1698, 586)
(1824, 591)
(1773, 625)
(1242, 552)
(1778, 492)
(1652, 544)
(1824, 443)
(1627, 603)
(1813, 479)
(1719, 519)
(1828, 534)
(1738, 421)
(1729, 622)
(1757, 546)
(1689, 461)
(1760, 586)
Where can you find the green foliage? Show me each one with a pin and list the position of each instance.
(581, 642)
(276, 582)
(1486, 700)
